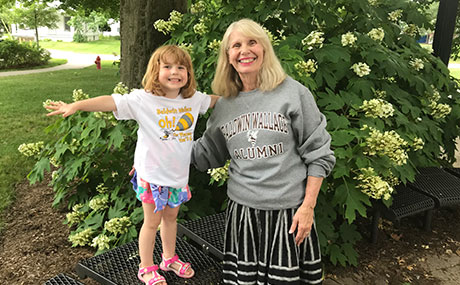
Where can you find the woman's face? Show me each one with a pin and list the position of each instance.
(245, 54)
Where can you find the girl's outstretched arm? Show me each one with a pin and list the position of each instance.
(97, 104)
(214, 99)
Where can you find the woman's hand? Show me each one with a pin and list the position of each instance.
(61, 108)
(302, 221)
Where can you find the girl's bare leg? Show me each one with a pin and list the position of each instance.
(147, 237)
(168, 231)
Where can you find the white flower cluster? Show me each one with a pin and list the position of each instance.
(377, 34)
(31, 149)
(81, 238)
(314, 39)
(118, 225)
(47, 103)
(214, 45)
(220, 173)
(104, 115)
(411, 30)
(439, 111)
(54, 175)
(349, 39)
(201, 28)
(198, 7)
(54, 161)
(101, 188)
(373, 2)
(395, 15)
(74, 145)
(187, 47)
(306, 67)
(417, 144)
(75, 216)
(99, 203)
(417, 64)
(435, 96)
(273, 39)
(373, 185)
(361, 69)
(166, 27)
(377, 108)
(380, 94)
(121, 88)
(79, 95)
(101, 242)
(388, 144)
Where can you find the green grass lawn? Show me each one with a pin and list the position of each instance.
(22, 116)
(52, 62)
(102, 46)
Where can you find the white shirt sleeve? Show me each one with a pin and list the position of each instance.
(126, 106)
(205, 102)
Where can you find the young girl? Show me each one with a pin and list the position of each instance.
(166, 111)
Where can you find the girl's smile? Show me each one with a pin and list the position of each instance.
(172, 78)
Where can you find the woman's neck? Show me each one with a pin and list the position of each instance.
(250, 82)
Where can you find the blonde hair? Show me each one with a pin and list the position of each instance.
(168, 54)
(227, 82)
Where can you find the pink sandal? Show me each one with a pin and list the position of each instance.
(157, 278)
(165, 266)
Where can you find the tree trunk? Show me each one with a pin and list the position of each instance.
(138, 36)
(36, 27)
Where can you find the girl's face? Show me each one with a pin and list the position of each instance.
(245, 54)
(172, 78)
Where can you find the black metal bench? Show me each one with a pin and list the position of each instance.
(433, 188)
(442, 186)
(62, 279)
(406, 202)
(119, 266)
(207, 232)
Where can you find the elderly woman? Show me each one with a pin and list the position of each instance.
(270, 128)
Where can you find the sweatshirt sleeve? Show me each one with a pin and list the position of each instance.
(210, 151)
(314, 142)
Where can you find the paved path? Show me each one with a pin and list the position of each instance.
(74, 61)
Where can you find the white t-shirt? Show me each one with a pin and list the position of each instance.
(165, 135)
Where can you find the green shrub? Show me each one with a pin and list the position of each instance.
(14, 54)
(391, 107)
(90, 158)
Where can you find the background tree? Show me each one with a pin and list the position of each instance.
(138, 37)
(83, 23)
(35, 14)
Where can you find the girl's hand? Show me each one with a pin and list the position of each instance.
(61, 108)
(302, 221)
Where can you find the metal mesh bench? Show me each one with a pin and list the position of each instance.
(119, 266)
(439, 184)
(207, 232)
(454, 171)
(62, 279)
(406, 202)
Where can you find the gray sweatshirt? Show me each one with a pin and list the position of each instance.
(274, 139)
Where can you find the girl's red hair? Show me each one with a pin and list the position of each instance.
(168, 54)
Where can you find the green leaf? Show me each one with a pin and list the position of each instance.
(334, 121)
(329, 102)
(356, 201)
(38, 170)
(341, 137)
(332, 53)
(336, 255)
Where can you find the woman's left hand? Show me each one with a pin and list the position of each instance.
(302, 221)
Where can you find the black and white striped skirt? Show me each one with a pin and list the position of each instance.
(258, 249)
